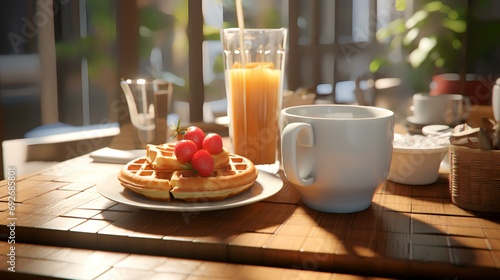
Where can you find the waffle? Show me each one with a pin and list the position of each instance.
(228, 181)
(140, 177)
(162, 157)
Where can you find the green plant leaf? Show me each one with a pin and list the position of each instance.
(411, 35)
(393, 28)
(422, 53)
(427, 43)
(458, 26)
(416, 18)
(400, 5)
(456, 44)
(439, 62)
(377, 63)
(218, 64)
(453, 15)
(433, 6)
(211, 33)
(396, 42)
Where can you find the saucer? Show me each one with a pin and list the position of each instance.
(413, 120)
(416, 127)
(436, 129)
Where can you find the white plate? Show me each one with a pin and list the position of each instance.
(265, 186)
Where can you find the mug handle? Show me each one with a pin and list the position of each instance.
(293, 134)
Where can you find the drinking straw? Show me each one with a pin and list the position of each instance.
(241, 25)
(144, 97)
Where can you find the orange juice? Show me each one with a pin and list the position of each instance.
(254, 104)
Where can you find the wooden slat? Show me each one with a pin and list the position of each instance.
(195, 37)
(73, 263)
(127, 36)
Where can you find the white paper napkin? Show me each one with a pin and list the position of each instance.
(109, 155)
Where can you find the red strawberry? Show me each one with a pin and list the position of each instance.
(203, 163)
(184, 150)
(196, 135)
(212, 143)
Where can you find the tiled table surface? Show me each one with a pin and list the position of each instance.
(44, 261)
(409, 231)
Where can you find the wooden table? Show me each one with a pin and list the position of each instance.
(61, 222)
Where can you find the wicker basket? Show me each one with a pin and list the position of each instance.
(475, 179)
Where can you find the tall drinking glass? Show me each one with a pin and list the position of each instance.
(254, 87)
(148, 102)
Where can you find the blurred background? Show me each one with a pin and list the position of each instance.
(61, 60)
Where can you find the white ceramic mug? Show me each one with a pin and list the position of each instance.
(496, 100)
(449, 109)
(336, 155)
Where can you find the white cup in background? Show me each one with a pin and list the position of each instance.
(496, 100)
(336, 155)
(449, 109)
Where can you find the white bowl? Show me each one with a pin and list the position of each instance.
(439, 130)
(416, 165)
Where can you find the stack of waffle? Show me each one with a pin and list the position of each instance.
(160, 176)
